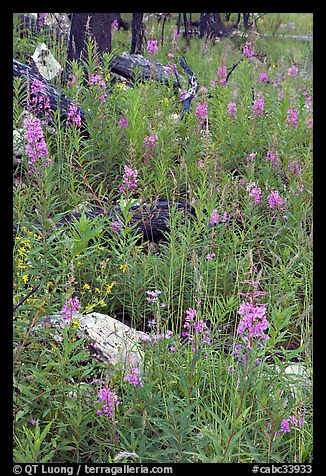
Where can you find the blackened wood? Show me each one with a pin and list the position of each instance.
(202, 24)
(128, 64)
(152, 219)
(137, 33)
(58, 100)
(98, 25)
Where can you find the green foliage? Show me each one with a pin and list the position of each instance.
(202, 406)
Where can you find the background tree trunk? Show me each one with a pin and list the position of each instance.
(246, 20)
(202, 24)
(97, 24)
(185, 22)
(137, 33)
(178, 23)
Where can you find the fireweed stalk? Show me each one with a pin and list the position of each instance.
(252, 329)
(36, 147)
(38, 101)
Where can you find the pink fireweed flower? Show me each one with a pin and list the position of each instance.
(293, 71)
(294, 167)
(248, 50)
(201, 112)
(109, 400)
(36, 147)
(96, 79)
(308, 101)
(170, 54)
(40, 102)
(195, 330)
(253, 322)
(309, 123)
(288, 423)
(210, 256)
(74, 118)
(150, 142)
(123, 122)
(41, 18)
(273, 159)
(277, 205)
(254, 193)
(153, 295)
(225, 217)
(70, 307)
(129, 180)
(149, 147)
(292, 117)
(134, 377)
(282, 94)
(250, 159)
(175, 39)
(115, 24)
(169, 68)
(221, 74)
(258, 106)
(263, 77)
(152, 47)
(232, 110)
(215, 217)
(116, 225)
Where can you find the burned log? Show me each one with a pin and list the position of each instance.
(151, 219)
(58, 100)
(130, 65)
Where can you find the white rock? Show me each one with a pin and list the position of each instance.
(299, 379)
(47, 65)
(116, 341)
(176, 118)
(18, 142)
(112, 341)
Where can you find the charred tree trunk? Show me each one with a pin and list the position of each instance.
(185, 22)
(162, 34)
(137, 33)
(98, 25)
(237, 21)
(202, 24)
(219, 28)
(178, 23)
(246, 20)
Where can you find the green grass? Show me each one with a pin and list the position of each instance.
(202, 406)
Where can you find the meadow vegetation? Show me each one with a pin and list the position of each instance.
(226, 297)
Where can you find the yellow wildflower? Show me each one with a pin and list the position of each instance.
(86, 286)
(25, 278)
(97, 290)
(124, 267)
(109, 287)
(75, 324)
(101, 248)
